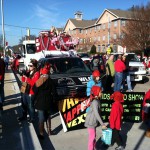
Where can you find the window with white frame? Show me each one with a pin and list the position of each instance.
(115, 23)
(99, 48)
(103, 48)
(104, 38)
(90, 39)
(123, 22)
(103, 26)
(115, 36)
(95, 28)
(98, 27)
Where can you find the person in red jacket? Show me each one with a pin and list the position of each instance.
(119, 68)
(115, 119)
(28, 98)
(146, 112)
(2, 74)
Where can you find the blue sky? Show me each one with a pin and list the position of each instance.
(42, 14)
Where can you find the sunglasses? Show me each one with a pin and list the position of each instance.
(30, 65)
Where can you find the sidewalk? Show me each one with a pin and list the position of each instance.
(13, 134)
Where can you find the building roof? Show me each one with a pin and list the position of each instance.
(121, 13)
(82, 23)
(59, 29)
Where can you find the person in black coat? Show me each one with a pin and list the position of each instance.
(43, 89)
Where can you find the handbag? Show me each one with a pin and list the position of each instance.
(107, 136)
(25, 88)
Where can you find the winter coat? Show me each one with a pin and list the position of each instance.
(90, 83)
(116, 113)
(2, 69)
(43, 88)
(93, 115)
(145, 116)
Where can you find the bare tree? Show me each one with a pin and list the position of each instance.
(136, 34)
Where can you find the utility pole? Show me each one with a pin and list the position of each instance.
(3, 31)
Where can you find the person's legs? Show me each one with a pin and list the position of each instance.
(129, 82)
(41, 123)
(92, 138)
(24, 105)
(117, 138)
(119, 81)
(30, 99)
(115, 82)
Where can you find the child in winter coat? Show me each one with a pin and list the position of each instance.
(95, 80)
(93, 116)
(146, 112)
(115, 119)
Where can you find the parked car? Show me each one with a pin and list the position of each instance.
(137, 68)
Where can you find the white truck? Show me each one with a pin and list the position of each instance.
(137, 68)
(28, 51)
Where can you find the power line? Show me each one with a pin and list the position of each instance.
(24, 27)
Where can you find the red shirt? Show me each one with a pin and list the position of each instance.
(116, 113)
(119, 66)
(32, 81)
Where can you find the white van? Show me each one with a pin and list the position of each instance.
(137, 69)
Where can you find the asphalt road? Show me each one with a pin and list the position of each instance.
(133, 133)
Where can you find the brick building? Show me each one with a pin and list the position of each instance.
(104, 32)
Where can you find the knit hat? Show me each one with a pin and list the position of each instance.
(96, 73)
(45, 69)
(34, 62)
(117, 96)
(95, 90)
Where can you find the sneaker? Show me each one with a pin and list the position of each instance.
(119, 148)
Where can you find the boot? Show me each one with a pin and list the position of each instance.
(48, 124)
(147, 134)
(41, 130)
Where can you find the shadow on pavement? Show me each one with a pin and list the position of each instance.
(126, 127)
(12, 132)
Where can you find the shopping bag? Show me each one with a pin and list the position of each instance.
(107, 136)
(25, 88)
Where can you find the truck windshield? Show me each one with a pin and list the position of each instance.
(31, 48)
(133, 57)
(68, 65)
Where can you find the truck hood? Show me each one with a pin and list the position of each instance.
(140, 64)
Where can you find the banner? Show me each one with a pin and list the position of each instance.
(73, 110)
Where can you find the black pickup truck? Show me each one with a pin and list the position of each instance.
(70, 76)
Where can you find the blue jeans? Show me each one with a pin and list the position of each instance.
(118, 81)
(127, 77)
(43, 115)
(28, 100)
(129, 81)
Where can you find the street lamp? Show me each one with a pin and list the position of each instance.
(3, 32)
